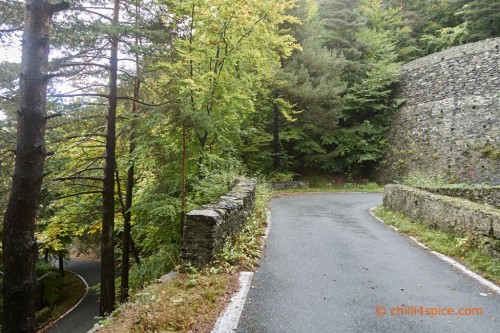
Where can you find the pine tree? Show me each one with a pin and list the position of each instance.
(482, 18)
(342, 21)
(19, 244)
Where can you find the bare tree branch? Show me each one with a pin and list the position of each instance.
(55, 115)
(78, 178)
(80, 95)
(88, 10)
(77, 194)
(6, 31)
(58, 7)
(140, 102)
(85, 170)
(75, 64)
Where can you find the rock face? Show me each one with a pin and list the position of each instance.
(445, 213)
(207, 229)
(450, 122)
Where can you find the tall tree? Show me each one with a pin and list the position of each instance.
(107, 294)
(342, 21)
(127, 214)
(482, 18)
(19, 244)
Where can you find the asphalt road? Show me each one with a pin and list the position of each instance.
(328, 265)
(83, 317)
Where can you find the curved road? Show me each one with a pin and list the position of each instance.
(83, 317)
(328, 264)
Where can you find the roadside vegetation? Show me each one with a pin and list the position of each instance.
(55, 294)
(468, 250)
(329, 183)
(193, 300)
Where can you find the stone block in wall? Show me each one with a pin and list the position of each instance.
(207, 229)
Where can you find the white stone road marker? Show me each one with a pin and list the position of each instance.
(447, 259)
(228, 322)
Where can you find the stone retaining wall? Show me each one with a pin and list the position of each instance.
(445, 213)
(207, 229)
(449, 122)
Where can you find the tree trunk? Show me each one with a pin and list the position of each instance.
(276, 138)
(124, 285)
(129, 191)
(107, 295)
(61, 263)
(183, 183)
(19, 244)
(135, 252)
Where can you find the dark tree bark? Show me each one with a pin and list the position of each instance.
(19, 244)
(276, 138)
(61, 263)
(124, 286)
(135, 252)
(107, 295)
(129, 191)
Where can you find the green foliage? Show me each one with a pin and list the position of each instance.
(491, 152)
(152, 268)
(312, 84)
(243, 252)
(367, 104)
(446, 37)
(391, 21)
(482, 18)
(420, 179)
(369, 187)
(342, 20)
(440, 24)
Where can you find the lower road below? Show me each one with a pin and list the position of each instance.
(329, 266)
(83, 317)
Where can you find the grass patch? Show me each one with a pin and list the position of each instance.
(193, 301)
(468, 250)
(189, 303)
(327, 188)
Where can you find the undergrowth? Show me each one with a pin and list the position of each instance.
(347, 187)
(467, 249)
(193, 300)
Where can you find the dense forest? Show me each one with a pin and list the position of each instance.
(144, 109)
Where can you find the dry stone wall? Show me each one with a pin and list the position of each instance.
(489, 196)
(461, 216)
(450, 122)
(207, 229)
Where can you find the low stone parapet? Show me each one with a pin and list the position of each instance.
(207, 229)
(445, 213)
(289, 185)
(488, 195)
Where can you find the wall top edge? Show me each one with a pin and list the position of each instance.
(481, 47)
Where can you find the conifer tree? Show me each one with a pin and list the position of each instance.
(18, 243)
